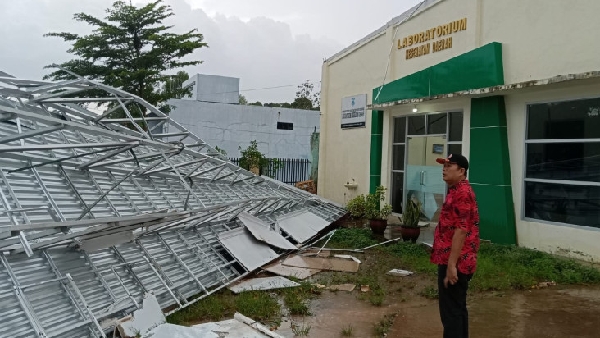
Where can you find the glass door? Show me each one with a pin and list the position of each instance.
(424, 175)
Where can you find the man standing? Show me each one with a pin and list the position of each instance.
(455, 246)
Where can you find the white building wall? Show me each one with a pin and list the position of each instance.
(230, 126)
(344, 154)
(215, 88)
(540, 39)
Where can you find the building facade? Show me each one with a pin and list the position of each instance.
(213, 111)
(512, 85)
(279, 132)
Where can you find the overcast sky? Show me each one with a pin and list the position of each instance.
(265, 43)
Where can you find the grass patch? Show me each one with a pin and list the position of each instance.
(257, 305)
(499, 267)
(348, 331)
(414, 256)
(430, 293)
(352, 238)
(211, 308)
(502, 267)
(297, 299)
(381, 328)
(300, 330)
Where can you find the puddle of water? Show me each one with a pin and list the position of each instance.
(540, 313)
(333, 312)
(568, 312)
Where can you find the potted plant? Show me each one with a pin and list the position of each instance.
(375, 212)
(410, 229)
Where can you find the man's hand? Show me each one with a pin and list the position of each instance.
(451, 276)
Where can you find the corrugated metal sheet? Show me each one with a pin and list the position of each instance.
(251, 253)
(262, 232)
(301, 225)
(93, 215)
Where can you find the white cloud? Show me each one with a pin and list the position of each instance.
(265, 43)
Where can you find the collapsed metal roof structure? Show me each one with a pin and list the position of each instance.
(94, 214)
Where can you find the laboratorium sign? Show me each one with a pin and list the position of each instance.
(419, 44)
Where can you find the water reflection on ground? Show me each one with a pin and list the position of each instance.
(555, 312)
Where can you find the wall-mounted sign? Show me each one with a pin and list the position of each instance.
(417, 45)
(354, 110)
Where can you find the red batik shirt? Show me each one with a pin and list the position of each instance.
(458, 212)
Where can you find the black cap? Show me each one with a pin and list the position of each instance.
(460, 160)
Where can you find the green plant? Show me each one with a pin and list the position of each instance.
(351, 238)
(347, 331)
(221, 151)
(412, 214)
(381, 328)
(300, 330)
(430, 293)
(373, 208)
(253, 159)
(357, 206)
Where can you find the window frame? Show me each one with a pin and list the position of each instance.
(406, 135)
(524, 180)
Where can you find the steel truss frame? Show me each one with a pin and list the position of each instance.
(98, 209)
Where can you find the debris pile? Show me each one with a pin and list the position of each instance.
(104, 199)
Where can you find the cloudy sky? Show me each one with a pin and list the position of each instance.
(265, 43)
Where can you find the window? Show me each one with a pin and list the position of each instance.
(285, 126)
(562, 171)
(398, 149)
(455, 129)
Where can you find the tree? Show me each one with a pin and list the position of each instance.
(306, 98)
(302, 103)
(257, 103)
(243, 100)
(132, 49)
(255, 161)
(278, 105)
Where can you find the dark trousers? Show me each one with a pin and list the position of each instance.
(453, 304)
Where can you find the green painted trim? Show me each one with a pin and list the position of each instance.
(376, 150)
(489, 170)
(479, 68)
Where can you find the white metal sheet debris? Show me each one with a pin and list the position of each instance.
(143, 320)
(290, 271)
(261, 231)
(316, 252)
(251, 253)
(348, 257)
(265, 283)
(238, 327)
(399, 272)
(331, 264)
(301, 225)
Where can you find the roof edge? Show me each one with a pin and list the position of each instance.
(398, 20)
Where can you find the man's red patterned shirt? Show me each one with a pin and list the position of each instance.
(458, 212)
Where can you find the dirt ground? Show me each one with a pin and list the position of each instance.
(556, 311)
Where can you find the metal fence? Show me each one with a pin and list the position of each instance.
(291, 171)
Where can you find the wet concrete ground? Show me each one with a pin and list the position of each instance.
(555, 312)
